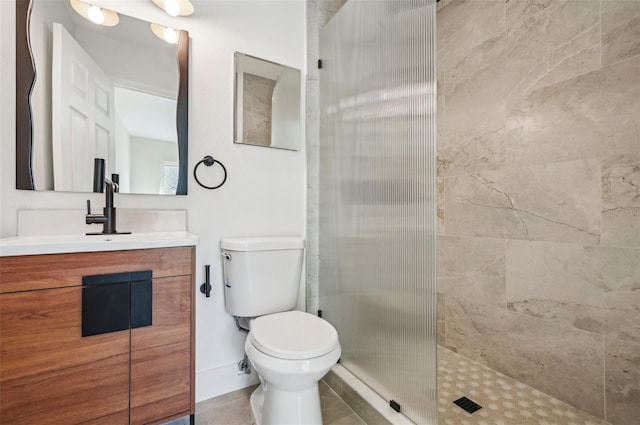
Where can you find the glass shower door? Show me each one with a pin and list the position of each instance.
(378, 196)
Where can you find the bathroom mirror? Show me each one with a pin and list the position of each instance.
(85, 90)
(267, 103)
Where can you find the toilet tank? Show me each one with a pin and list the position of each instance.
(261, 275)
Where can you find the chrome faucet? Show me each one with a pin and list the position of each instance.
(108, 216)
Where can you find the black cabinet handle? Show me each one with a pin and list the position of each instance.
(116, 302)
(205, 288)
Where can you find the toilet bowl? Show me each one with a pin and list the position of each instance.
(291, 351)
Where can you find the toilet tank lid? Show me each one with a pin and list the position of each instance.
(262, 243)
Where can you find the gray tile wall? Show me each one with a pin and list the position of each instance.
(256, 109)
(539, 195)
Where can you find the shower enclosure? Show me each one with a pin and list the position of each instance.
(377, 230)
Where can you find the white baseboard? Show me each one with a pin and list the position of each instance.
(221, 380)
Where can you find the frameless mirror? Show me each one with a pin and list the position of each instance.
(267, 103)
(88, 91)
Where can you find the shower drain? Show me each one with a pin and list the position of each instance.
(467, 405)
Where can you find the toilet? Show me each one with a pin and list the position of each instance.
(291, 350)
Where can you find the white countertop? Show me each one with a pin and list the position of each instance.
(59, 244)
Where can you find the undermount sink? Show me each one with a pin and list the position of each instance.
(58, 244)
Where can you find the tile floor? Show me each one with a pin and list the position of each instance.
(504, 401)
(233, 409)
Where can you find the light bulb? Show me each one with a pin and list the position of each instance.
(172, 7)
(171, 35)
(95, 14)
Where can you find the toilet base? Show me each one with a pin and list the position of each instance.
(272, 406)
(257, 401)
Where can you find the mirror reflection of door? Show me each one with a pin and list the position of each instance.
(83, 116)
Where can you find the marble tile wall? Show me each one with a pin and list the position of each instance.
(587, 287)
(558, 202)
(622, 381)
(539, 195)
(319, 12)
(256, 109)
(562, 361)
(621, 202)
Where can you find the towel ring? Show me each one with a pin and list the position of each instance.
(209, 161)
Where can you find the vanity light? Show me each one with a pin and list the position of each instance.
(171, 35)
(172, 7)
(95, 14)
(167, 34)
(175, 7)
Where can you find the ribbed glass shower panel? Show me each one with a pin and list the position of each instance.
(378, 196)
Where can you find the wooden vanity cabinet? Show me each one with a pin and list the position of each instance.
(51, 374)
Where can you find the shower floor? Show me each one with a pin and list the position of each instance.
(504, 401)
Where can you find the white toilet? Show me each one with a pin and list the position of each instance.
(290, 350)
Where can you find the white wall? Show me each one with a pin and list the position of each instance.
(265, 191)
(157, 63)
(285, 111)
(148, 155)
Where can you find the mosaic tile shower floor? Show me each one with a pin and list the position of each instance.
(504, 401)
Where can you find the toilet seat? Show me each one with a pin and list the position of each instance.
(293, 335)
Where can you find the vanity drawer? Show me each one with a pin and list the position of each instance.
(31, 272)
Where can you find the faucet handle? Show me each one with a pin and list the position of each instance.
(88, 207)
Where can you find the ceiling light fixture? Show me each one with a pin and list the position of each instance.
(167, 34)
(95, 14)
(175, 7)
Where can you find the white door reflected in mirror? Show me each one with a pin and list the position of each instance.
(267, 103)
(82, 114)
(133, 131)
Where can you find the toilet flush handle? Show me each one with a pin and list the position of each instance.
(225, 256)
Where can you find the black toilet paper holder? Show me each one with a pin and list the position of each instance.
(205, 288)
